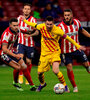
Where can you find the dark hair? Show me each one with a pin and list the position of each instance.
(13, 20)
(68, 10)
(27, 4)
(49, 18)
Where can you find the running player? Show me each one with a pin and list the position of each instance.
(26, 42)
(50, 50)
(8, 55)
(72, 27)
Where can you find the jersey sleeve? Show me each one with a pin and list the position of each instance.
(5, 37)
(33, 24)
(72, 41)
(58, 31)
(21, 28)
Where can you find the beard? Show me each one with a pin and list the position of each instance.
(26, 14)
(68, 22)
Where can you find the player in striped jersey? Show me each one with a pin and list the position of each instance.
(10, 57)
(50, 50)
(72, 27)
(26, 42)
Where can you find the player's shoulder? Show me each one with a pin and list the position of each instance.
(55, 28)
(60, 23)
(76, 20)
(6, 30)
(42, 24)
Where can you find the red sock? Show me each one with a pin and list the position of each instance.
(71, 78)
(15, 75)
(20, 72)
(29, 67)
(27, 76)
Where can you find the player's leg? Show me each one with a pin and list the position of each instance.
(27, 75)
(29, 55)
(8, 60)
(83, 58)
(20, 78)
(58, 73)
(67, 58)
(21, 52)
(87, 66)
(56, 60)
(43, 66)
(29, 66)
(71, 77)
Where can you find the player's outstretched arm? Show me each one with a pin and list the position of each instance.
(74, 43)
(84, 32)
(27, 22)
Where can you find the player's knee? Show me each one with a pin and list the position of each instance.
(69, 67)
(24, 66)
(18, 67)
(28, 62)
(55, 71)
(39, 73)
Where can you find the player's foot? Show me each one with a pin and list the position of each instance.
(75, 89)
(20, 79)
(88, 69)
(40, 87)
(17, 85)
(26, 82)
(32, 87)
(67, 89)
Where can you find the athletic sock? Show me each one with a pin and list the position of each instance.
(29, 67)
(15, 75)
(41, 78)
(71, 78)
(20, 72)
(27, 76)
(61, 78)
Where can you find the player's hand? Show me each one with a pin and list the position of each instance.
(22, 17)
(82, 48)
(17, 56)
(26, 35)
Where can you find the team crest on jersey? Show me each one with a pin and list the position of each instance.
(6, 37)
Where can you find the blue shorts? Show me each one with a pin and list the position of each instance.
(28, 51)
(79, 56)
(7, 58)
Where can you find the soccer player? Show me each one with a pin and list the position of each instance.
(50, 50)
(72, 27)
(26, 42)
(8, 55)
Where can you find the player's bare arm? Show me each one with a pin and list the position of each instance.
(31, 34)
(84, 32)
(5, 50)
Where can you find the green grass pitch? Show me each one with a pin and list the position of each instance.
(8, 92)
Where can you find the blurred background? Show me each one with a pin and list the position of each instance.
(41, 9)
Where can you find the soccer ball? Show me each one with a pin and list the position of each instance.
(59, 88)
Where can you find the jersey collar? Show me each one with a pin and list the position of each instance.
(68, 23)
(27, 18)
(12, 31)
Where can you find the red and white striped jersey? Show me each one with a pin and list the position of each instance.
(24, 28)
(72, 31)
(10, 38)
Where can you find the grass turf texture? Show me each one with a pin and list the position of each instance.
(8, 92)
